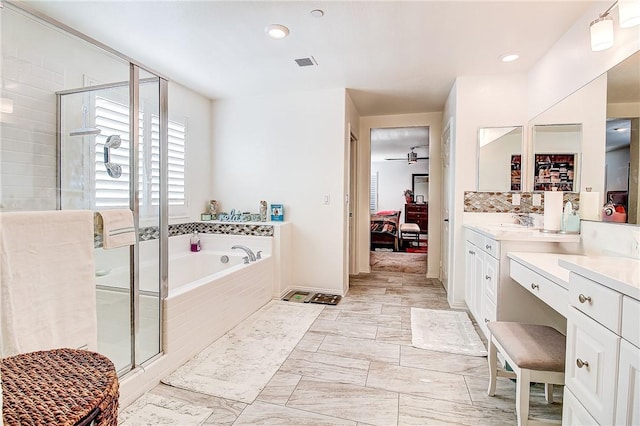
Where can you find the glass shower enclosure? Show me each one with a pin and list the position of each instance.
(111, 143)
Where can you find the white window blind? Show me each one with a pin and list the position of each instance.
(113, 118)
(373, 195)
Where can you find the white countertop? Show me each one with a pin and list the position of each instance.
(546, 264)
(618, 273)
(621, 274)
(510, 232)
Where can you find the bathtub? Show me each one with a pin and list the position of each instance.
(207, 297)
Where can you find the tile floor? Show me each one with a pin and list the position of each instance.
(356, 366)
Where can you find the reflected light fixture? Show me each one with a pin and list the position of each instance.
(276, 31)
(412, 157)
(6, 106)
(601, 29)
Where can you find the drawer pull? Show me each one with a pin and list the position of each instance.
(534, 286)
(487, 277)
(486, 321)
(580, 363)
(582, 298)
(487, 246)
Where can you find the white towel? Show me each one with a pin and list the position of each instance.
(117, 228)
(48, 291)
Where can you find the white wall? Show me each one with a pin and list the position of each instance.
(434, 121)
(480, 101)
(393, 178)
(195, 109)
(288, 149)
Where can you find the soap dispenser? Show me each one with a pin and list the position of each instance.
(195, 242)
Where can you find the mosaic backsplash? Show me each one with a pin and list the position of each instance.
(153, 232)
(501, 202)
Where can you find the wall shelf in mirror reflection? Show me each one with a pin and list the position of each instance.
(498, 155)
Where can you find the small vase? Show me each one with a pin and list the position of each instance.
(409, 199)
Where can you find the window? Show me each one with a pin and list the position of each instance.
(373, 195)
(112, 118)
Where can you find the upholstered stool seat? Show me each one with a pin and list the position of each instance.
(411, 230)
(536, 353)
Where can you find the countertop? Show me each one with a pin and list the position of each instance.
(546, 264)
(618, 273)
(512, 232)
(621, 274)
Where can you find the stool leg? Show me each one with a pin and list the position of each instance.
(492, 359)
(548, 392)
(522, 396)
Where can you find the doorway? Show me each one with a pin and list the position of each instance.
(399, 198)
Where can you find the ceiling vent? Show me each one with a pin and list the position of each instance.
(306, 62)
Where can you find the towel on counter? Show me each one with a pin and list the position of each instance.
(48, 290)
(116, 227)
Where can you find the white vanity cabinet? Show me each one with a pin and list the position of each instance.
(490, 292)
(603, 360)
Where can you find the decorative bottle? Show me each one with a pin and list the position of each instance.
(195, 242)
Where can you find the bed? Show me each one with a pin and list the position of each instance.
(384, 227)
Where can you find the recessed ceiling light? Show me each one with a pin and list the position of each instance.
(317, 13)
(276, 31)
(509, 57)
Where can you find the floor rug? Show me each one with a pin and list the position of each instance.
(153, 410)
(240, 364)
(445, 331)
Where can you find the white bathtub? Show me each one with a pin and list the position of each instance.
(206, 297)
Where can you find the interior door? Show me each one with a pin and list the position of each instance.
(447, 202)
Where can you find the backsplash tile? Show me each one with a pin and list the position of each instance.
(500, 202)
(153, 232)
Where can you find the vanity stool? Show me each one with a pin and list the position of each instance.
(536, 353)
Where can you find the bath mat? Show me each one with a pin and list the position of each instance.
(239, 365)
(445, 331)
(325, 299)
(155, 410)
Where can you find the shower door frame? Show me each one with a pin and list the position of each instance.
(134, 196)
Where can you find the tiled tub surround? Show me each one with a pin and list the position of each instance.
(501, 202)
(147, 233)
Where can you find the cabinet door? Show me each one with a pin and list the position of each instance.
(469, 274)
(628, 394)
(591, 369)
(573, 413)
(490, 277)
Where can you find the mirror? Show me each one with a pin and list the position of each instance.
(556, 154)
(420, 187)
(609, 102)
(499, 158)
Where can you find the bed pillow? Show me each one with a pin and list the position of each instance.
(386, 212)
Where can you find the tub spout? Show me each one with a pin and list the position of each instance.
(252, 256)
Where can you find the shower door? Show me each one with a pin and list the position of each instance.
(109, 158)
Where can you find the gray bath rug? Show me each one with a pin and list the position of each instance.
(240, 364)
(445, 331)
(152, 410)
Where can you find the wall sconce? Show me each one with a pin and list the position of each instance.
(601, 29)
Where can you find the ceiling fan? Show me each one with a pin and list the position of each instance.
(412, 156)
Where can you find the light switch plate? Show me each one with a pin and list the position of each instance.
(515, 199)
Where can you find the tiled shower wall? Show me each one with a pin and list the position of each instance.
(501, 202)
(28, 152)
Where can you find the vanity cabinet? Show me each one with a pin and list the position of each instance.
(603, 362)
(490, 292)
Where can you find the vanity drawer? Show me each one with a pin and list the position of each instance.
(600, 303)
(544, 289)
(489, 313)
(475, 238)
(492, 247)
(591, 368)
(630, 320)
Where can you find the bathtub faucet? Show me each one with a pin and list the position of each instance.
(252, 256)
